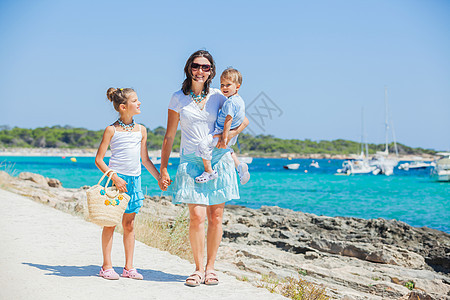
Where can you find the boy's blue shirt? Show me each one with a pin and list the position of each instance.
(235, 107)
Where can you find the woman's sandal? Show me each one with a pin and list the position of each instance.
(211, 278)
(195, 279)
(205, 177)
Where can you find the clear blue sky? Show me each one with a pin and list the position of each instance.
(318, 61)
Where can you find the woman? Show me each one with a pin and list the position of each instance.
(196, 107)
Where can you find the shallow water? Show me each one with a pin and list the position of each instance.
(409, 196)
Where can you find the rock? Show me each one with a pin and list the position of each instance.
(311, 255)
(36, 178)
(52, 182)
(235, 231)
(396, 256)
(4, 177)
(416, 295)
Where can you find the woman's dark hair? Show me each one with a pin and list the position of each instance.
(188, 71)
(118, 96)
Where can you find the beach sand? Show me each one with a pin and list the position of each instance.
(49, 254)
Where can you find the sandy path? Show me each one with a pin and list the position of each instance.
(48, 254)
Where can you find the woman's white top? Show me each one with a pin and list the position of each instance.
(196, 123)
(126, 152)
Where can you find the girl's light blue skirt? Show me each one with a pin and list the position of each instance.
(184, 189)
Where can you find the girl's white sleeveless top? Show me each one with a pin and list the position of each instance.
(126, 152)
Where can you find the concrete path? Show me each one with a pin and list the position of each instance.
(49, 254)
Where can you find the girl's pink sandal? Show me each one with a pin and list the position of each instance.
(109, 274)
(132, 273)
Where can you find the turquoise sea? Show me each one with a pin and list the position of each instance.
(410, 196)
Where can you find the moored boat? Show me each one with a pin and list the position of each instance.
(442, 170)
(291, 166)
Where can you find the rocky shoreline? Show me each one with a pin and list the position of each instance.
(352, 258)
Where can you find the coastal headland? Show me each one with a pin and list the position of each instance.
(351, 258)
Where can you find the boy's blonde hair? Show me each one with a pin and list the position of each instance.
(233, 75)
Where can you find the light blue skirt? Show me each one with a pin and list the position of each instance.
(184, 189)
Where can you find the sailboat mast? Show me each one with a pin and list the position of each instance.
(386, 123)
(362, 130)
(364, 135)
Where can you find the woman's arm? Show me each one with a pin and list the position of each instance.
(100, 163)
(144, 155)
(172, 124)
(233, 132)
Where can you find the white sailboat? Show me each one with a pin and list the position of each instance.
(381, 161)
(361, 164)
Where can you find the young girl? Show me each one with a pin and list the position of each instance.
(128, 142)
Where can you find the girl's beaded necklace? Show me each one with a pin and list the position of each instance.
(127, 127)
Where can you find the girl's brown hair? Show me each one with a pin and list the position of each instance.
(187, 83)
(118, 96)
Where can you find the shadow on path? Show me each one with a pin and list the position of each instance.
(93, 270)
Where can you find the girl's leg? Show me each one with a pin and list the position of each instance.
(107, 239)
(128, 239)
(207, 165)
(214, 234)
(197, 215)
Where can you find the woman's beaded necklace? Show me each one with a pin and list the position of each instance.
(127, 127)
(198, 98)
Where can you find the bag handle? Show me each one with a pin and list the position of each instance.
(107, 181)
(106, 173)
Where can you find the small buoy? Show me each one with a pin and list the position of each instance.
(63, 157)
(306, 171)
(290, 158)
(73, 159)
(329, 161)
(170, 164)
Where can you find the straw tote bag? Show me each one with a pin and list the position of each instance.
(106, 205)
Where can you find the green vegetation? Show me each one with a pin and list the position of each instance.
(410, 285)
(69, 137)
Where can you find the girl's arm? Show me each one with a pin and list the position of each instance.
(172, 124)
(234, 132)
(144, 155)
(99, 162)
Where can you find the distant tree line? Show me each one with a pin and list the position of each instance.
(70, 137)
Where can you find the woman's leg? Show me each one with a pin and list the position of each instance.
(107, 239)
(197, 215)
(214, 235)
(128, 239)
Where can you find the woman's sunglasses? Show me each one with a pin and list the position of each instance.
(205, 68)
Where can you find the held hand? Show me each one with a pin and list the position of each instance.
(119, 183)
(164, 180)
